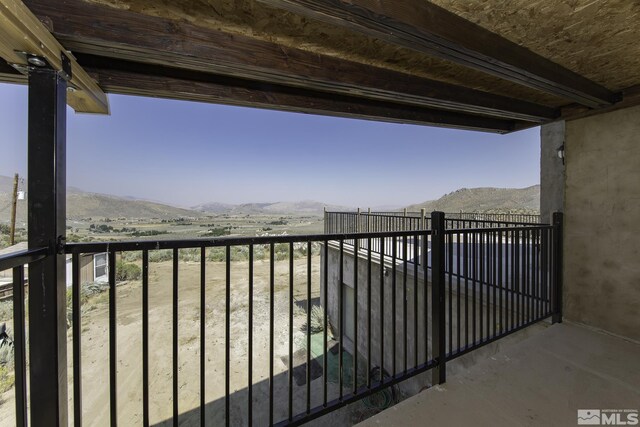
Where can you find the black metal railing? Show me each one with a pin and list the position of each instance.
(354, 222)
(497, 280)
(498, 217)
(481, 216)
(299, 289)
(370, 222)
(280, 330)
(16, 262)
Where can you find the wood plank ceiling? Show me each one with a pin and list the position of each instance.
(468, 65)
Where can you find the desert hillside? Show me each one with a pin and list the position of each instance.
(485, 199)
(81, 204)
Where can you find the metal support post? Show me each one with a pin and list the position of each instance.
(46, 228)
(438, 325)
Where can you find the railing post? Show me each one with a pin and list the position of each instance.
(46, 228)
(324, 218)
(404, 219)
(558, 219)
(19, 347)
(438, 324)
(358, 230)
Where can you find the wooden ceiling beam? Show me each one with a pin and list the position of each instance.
(125, 77)
(630, 98)
(100, 30)
(430, 29)
(22, 34)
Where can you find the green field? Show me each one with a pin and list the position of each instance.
(220, 225)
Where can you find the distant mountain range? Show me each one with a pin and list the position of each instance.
(93, 205)
(485, 199)
(308, 207)
(82, 204)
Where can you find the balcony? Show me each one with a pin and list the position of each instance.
(336, 327)
(281, 330)
(540, 380)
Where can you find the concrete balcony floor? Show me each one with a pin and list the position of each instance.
(540, 381)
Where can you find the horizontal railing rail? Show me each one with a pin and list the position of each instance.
(139, 245)
(20, 258)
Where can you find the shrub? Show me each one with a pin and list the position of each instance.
(6, 378)
(216, 255)
(73, 238)
(260, 252)
(189, 255)
(214, 232)
(160, 255)
(125, 271)
(6, 310)
(101, 228)
(131, 256)
(143, 233)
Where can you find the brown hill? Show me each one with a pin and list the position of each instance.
(485, 199)
(82, 204)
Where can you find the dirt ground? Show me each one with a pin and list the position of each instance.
(95, 345)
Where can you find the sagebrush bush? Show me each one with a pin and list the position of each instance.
(6, 378)
(131, 256)
(6, 310)
(216, 255)
(160, 255)
(127, 271)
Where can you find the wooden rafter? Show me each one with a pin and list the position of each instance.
(125, 77)
(428, 28)
(100, 30)
(21, 31)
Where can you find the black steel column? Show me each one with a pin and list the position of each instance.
(46, 212)
(558, 219)
(438, 325)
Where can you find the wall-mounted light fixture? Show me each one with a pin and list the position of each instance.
(561, 153)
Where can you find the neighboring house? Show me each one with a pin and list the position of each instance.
(93, 268)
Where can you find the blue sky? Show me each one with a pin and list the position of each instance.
(187, 153)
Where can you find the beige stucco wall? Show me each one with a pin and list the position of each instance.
(602, 222)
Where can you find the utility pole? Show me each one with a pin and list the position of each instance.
(14, 202)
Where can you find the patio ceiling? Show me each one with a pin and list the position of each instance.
(496, 66)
